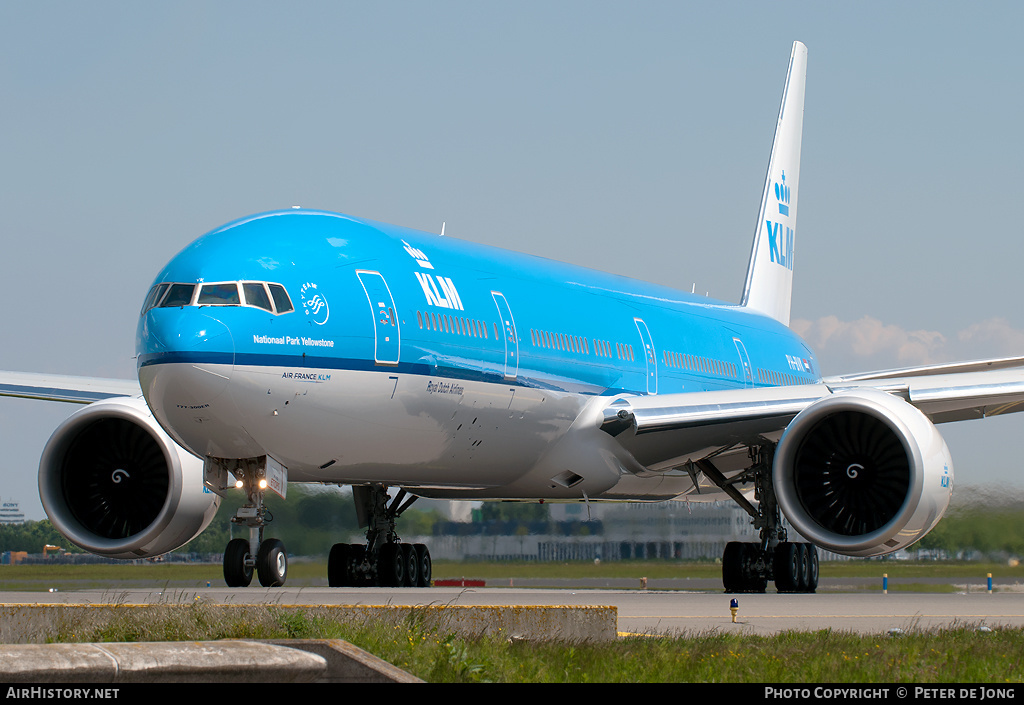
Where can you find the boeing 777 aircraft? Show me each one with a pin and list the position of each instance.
(315, 347)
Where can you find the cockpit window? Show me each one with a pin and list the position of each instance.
(256, 295)
(219, 295)
(154, 296)
(281, 300)
(178, 295)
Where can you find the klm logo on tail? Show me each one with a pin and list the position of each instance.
(780, 236)
(782, 194)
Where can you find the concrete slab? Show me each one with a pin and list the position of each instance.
(347, 663)
(226, 661)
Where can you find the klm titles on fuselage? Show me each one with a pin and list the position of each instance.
(439, 291)
(306, 376)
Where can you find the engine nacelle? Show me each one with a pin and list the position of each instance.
(113, 482)
(862, 473)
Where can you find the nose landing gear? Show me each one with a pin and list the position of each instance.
(242, 556)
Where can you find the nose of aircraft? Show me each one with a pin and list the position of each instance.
(186, 357)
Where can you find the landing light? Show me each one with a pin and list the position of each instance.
(263, 484)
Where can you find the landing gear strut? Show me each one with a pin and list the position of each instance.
(747, 567)
(384, 560)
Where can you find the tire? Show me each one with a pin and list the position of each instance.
(803, 578)
(412, 566)
(390, 565)
(786, 565)
(236, 573)
(812, 568)
(272, 563)
(338, 574)
(739, 570)
(426, 569)
(732, 567)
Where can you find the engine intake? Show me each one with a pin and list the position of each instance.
(114, 483)
(862, 473)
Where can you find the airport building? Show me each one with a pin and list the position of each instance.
(604, 531)
(10, 512)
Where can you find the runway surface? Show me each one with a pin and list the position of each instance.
(648, 611)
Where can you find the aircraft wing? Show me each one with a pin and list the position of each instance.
(666, 431)
(930, 370)
(65, 388)
(956, 396)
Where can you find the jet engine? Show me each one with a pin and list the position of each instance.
(862, 473)
(113, 482)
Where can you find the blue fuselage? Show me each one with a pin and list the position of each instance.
(429, 316)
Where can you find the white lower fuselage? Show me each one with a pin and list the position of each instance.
(435, 436)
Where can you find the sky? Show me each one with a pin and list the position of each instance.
(628, 137)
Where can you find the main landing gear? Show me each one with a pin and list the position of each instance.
(384, 560)
(267, 557)
(747, 567)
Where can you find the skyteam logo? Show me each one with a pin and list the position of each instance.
(781, 237)
(314, 304)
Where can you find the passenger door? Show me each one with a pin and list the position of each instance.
(509, 334)
(387, 332)
(649, 355)
(746, 371)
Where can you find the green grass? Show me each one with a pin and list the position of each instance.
(812, 657)
(959, 655)
(100, 576)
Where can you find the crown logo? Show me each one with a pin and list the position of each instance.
(782, 194)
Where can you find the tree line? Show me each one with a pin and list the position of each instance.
(313, 519)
